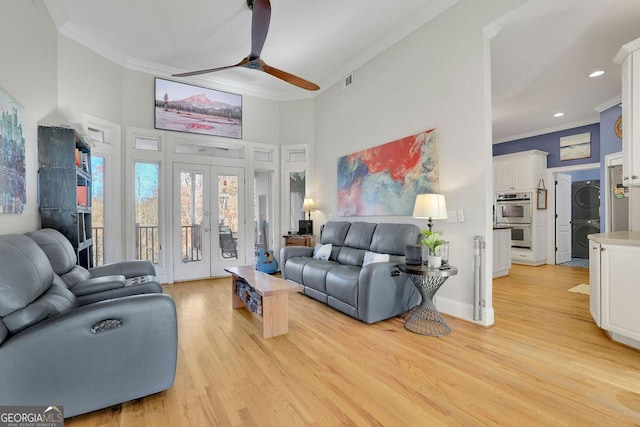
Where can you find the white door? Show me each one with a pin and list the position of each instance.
(563, 218)
(208, 217)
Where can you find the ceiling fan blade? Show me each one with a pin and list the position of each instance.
(211, 70)
(259, 26)
(289, 78)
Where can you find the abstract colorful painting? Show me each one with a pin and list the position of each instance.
(385, 180)
(12, 156)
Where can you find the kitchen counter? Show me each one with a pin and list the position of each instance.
(502, 227)
(627, 238)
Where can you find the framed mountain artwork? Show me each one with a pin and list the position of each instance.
(187, 108)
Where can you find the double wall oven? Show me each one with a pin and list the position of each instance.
(514, 210)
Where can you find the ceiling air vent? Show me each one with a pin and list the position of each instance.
(347, 81)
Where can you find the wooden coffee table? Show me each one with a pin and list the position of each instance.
(272, 292)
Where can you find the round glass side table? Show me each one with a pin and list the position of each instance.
(425, 319)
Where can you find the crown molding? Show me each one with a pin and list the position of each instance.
(71, 31)
(626, 50)
(548, 130)
(610, 103)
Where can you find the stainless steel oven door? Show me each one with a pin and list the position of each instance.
(514, 212)
(521, 236)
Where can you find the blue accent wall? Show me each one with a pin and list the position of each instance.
(550, 143)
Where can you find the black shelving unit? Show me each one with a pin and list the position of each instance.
(64, 187)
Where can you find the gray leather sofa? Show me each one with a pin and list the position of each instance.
(99, 283)
(371, 293)
(55, 350)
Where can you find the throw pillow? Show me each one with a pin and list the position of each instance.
(371, 257)
(322, 252)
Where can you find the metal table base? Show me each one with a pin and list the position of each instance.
(425, 318)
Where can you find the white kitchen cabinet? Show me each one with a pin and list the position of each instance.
(620, 293)
(519, 171)
(613, 274)
(594, 280)
(629, 59)
(501, 252)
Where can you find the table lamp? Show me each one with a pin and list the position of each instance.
(430, 206)
(307, 205)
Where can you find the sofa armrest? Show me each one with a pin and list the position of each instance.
(287, 252)
(98, 284)
(128, 269)
(63, 360)
(384, 291)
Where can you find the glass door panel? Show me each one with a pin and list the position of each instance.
(191, 222)
(146, 211)
(209, 222)
(230, 217)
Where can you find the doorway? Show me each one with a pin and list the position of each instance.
(209, 228)
(575, 213)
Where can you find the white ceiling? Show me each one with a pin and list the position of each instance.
(541, 55)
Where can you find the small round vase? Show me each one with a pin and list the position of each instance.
(434, 261)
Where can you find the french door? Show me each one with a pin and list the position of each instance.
(208, 220)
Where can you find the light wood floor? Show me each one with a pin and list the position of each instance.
(543, 363)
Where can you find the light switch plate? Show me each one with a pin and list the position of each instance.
(460, 215)
(452, 216)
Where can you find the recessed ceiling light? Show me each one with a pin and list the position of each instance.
(597, 73)
(558, 115)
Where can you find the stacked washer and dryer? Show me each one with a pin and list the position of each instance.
(585, 215)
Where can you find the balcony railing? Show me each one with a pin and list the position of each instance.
(147, 242)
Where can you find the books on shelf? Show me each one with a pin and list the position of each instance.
(82, 195)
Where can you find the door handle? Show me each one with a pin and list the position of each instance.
(206, 229)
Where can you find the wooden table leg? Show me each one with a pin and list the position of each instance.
(275, 318)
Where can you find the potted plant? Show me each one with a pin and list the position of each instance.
(434, 242)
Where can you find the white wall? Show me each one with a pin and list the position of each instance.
(435, 78)
(28, 74)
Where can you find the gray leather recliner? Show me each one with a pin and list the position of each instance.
(99, 283)
(55, 350)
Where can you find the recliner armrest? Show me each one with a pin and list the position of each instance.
(98, 284)
(128, 269)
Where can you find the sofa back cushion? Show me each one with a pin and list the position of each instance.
(392, 238)
(356, 242)
(359, 235)
(29, 289)
(334, 232)
(61, 255)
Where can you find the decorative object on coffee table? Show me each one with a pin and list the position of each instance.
(425, 318)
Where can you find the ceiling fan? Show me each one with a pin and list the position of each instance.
(261, 16)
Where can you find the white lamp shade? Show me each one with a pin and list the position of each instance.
(430, 205)
(307, 204)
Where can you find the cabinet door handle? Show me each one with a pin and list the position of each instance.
(634, 176)
(626, 178)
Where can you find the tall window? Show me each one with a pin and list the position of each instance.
(97, 208)
(147, 208)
